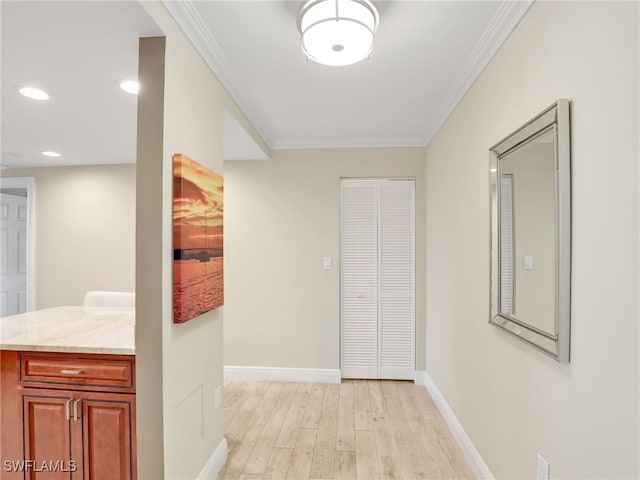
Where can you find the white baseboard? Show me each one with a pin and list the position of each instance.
(476, 462)
(275, 374)
(421, 376)
(215, 463)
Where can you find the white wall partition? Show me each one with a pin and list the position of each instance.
(377, 303)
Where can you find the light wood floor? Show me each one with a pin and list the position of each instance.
(360, 429)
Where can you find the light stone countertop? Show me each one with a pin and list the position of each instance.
(71, 329)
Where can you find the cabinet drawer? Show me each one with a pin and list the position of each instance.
(90, 372)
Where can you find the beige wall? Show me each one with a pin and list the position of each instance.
(85, 231)
(281, 217)
(512, 400)
(180, 110)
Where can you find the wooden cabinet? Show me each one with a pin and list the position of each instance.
(77, 416)
(47, 432)
(79, 372)
(108, 445)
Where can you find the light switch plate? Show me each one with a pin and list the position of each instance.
(326, 263)
(528, 262)
(218, 397)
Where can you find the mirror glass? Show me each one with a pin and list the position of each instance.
(530, 202)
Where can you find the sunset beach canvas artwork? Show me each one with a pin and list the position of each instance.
(198, 276)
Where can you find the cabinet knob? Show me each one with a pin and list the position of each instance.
(69, 371)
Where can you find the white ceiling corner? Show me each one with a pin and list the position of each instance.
(237, 143)
(503, 23)
(198, 33)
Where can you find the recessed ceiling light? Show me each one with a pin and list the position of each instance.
(130, 86)
(34, 93)
(51, 154)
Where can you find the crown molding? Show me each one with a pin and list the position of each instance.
(193, 26)
(363, 142)
(503, 23)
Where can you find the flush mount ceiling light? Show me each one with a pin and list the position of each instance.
(337, 32)
(34, 93)
(130, 86)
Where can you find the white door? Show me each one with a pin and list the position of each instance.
(13, 254)
(377, 306)
(359, 280)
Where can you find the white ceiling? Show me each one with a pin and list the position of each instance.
(78, 52)
(427, 55)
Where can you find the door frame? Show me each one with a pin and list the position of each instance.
(29, 184)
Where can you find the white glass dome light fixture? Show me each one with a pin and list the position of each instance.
(337, 32)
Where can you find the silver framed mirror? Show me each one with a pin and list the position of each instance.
(530, 175)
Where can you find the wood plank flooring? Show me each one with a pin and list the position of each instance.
(360, 429)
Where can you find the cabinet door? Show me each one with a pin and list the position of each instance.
(108, 422)
(48, 434)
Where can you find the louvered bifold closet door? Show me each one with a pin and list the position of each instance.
(506, 245)
(396, 280)
(359, 276)
(377, 307)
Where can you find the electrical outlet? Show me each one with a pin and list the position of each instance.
(542, 469)
(217, 397)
